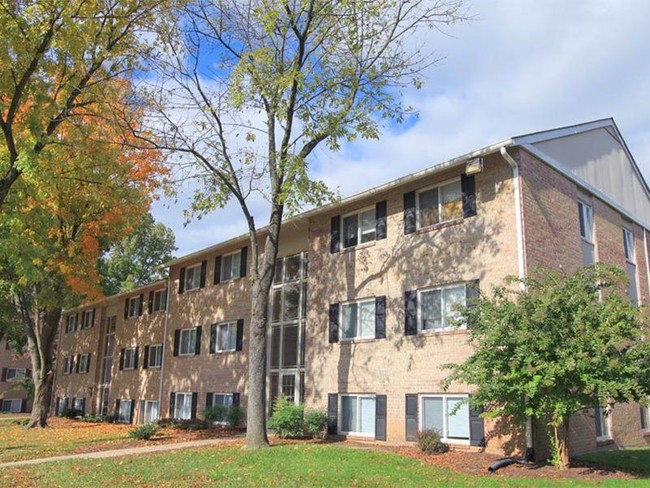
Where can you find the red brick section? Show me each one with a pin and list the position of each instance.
(8, 390)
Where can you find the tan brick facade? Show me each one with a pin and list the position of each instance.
(13, 398)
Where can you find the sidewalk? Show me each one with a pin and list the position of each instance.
(116, 452)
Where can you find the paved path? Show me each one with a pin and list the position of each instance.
(116, 452)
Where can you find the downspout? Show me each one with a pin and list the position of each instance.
(164, 343)
(521, 265)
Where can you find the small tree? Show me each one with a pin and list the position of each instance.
(563, 344)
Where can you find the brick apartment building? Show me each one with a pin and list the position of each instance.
(364, 292)
(13, 368)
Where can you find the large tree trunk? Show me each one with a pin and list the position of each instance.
(561, 435)
(256, 437)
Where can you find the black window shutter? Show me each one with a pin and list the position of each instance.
(135, 361)
(411, 417)
(476, 428)
(28, 373)
(92, 322)
(177, 341)
(243, 263)
(643, 425)
(4, 374)
(380, 317)
(195, 401)
(380, 220)
(76, 323)
(83, 406)
(468, 189)
(88, 363)
(213, 338)
(332, 413)
(58, 404)
(239, 343)
(199, 333)
(410, 312)
(145, 361)
(117, 407)
(23, 405)
(208, 399)
(204, 270)
(121, 359)
(334, 323)
(172, 400)
(151, 302)
(217, 270)
(335, 234)
(126, 309)
(77, 360)
(409, 213)
(235, 399)
(132, 411)
(380, 417)
(181, 281)
(141, 304)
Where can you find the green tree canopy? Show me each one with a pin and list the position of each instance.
(563, 343)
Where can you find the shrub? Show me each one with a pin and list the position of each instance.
(216, 413)
(189, 424)
(71, 413)
(235, 416)
(287, 418)
(429, 441)
(144, 432)
(316, 423)
(21, 422)
(97, 418)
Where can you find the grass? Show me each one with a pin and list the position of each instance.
(638, 459)
(293, 465)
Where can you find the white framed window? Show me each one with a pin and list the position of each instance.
(358, 415)
(134, 307)
(226, 337)
(586, 217)
(16, 373)
(159, 300)
(230, 266)
(149, 411)
(438, 204)
(225, 399)
(80, 404)
(358, 319)
(193, 277)
(71, 323)
(87, 318)
(603, 419)
(183, 406)
(129, 358)
(12, 405)
(630, 264)
(448, 414)
(155, 356)
(67, 364)
(124, 412)
(359, 228)
(187, 344)
(437, 307)
(84, 363)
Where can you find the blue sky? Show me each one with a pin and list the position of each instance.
(519, 66)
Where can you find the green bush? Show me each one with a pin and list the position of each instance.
(144, 432)
(235, 416)
(216, 413)
(316, 424)
(71, 413)
(21, 422)
(189, 424)
(97, 418)
(430, 442)
(287, 418)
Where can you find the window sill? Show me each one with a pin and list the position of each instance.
(225, 352)
(442, 225)
(604, 441)
(154, 367)
(357, 340)
(365, 245)
(441, 332)
(645, 433)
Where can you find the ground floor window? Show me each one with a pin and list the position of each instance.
(603, 421)
(358, 414)
(149, 411)
(80, 404)
(224, 399)
(183, 406)
(448, 415)
(13, 406)
(124, 411)
(63, 404)
(645, 417)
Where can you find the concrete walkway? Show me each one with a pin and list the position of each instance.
(117, 452)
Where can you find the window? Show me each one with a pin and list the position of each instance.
(187, 344)
(437, 307)
(149, 411)
(226, 337)
(16, 373)
(230, 266)
(586, 216)
(630, 264)
(448, 415)
(71, 323)
(183, 406)
(225, 399)
(359, 228)
(133, 309)
(645, 418)
(12, 406)
(80, 404)
(124, 411)
(358, 319)
(130, 355)
(62, 405)
(603, 419)
(439, 204)
(358, 415)
(155, 356)
(67, 365)
(193, 278)
(84, 363)
(159, 300)
(87, 318)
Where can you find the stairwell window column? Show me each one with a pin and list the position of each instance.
(630, 264)
(586, 216)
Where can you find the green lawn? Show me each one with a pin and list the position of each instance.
(638, 459)
(298, 465)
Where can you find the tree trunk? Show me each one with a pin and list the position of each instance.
(41, 404)
(561, 436)
(256, 437)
